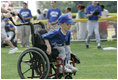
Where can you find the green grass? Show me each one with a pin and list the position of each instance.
(95, 64)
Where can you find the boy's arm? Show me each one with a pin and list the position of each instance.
(48, 26)
(48, 47)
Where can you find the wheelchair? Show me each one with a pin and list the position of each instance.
(34, 63)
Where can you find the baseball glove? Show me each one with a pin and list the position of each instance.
(96, 12)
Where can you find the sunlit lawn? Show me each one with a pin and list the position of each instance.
(95, 63)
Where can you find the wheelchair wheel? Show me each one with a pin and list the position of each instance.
(33, 63)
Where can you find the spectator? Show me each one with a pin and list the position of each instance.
(43, 17)
(52, 16)
(40, 15)
(10, 29)
(4, 37)
(93, 13)
(103, 24)
(105, 12)
(77, 17)
(44, 14)
(82, 25)
(78, 7)
(68, 11)
(25, 29)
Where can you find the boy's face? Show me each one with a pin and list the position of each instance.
(94, 2)
(53, 4)
(24, 6)
(65, 26)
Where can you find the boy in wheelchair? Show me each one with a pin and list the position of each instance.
(10, 30)
(60, 39)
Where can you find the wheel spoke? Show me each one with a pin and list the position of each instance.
(26, 62)
(32, 72)
(26, 70)
(30, 55)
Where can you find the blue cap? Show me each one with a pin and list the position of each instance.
(5, 19)
(65, 19)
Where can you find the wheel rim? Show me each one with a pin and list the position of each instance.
(31, 66)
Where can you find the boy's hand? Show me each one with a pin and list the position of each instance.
(48, 47)
(48, 27)
(48, 50)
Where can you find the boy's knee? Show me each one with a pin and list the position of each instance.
(63, 56)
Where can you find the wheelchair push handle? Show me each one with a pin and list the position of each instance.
(12, 13)
(25, 23)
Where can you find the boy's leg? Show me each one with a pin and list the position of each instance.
(67, 59)
(10, 34)
(96, 30)
(90, 29)
(61, 52)
(13, 48)
(22, 36)
(28, 30)
(63, 56)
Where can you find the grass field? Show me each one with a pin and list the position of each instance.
(95, 64)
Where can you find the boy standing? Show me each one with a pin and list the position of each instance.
(92, 25)
(60, 39)
(25, 29)
(52, 16)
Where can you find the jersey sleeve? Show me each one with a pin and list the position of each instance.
(69, 38)
(30, 14)
(88, 10)
(59, 13)
(50, 35)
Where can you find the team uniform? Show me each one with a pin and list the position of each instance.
(10, 33)
(92, 25)
(25, 29)
(53, 15)
(59, 41)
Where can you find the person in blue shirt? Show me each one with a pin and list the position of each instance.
(25, 29)
(4, 37)
(52, 17)
(92, 25)
(9, 28)
(60, 39)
